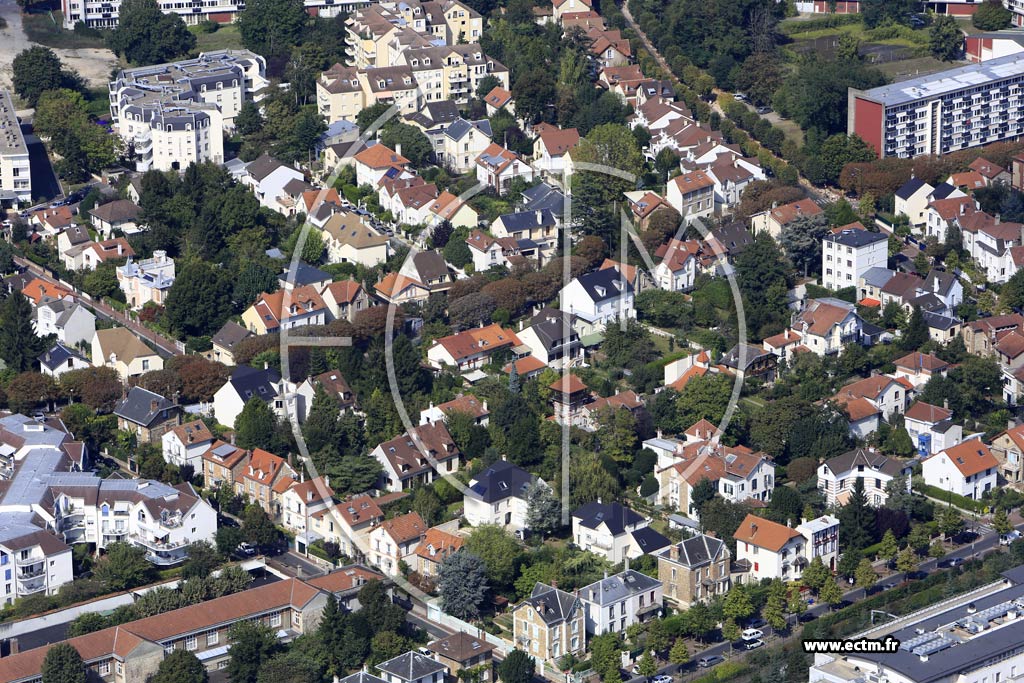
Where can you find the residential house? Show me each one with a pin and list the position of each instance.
(186, 444)
(850, 252)
(497, 99)
(691, 194)
(419, 456)
(355, 517)
(774, 220)
(395, 288)
(145, 281)
(608, 530)
(968, 469)
(285, 310)
(777, 551)
(224, 342)
(472, 348)
(677, 270)
(870, 399)
(339, 94)
(550, 623)
(39, 291)
(120, 349)
(614, 603)
(694, 570)
(464, 652)
(785, 345)
(448, 207)
(827, 324)
(412, 667)
(395, 540)
(497, 167)
(300, 503)
(990, 172)
(462, 142)
(303, 275)
(918, 368)
(429, 269)
(147, 415)
(467, 404)
(911, 200)
(247, 383)
(497, 496)
(1008, 449)
(598, 298)
(75, 235)
(981, 336)
(89, 255)
(349, 240)
(594, 412)
(60, 359)
(376, 161)
(334, 384)
(643, 204)
(634, 275)
(608, 48)
(345, 299)
(870, 285)
(552, 145)
(261, 476)
(437, 545)
(750, 362)
(553, 339)
(931, 428)
(539, 226)
(120, 215)
(72, 323)
(410, 202)
(223, 463)
(837, 476)
(562, 7)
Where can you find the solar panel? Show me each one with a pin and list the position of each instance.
(935, 646)
(224, 450)
(918, 641)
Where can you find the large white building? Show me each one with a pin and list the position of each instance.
(940, 113)
(848, 254)
(598, 298)
(104, 13)
(777, 551)
(49, 503)
(172, 115)
(968, 469)
(615, 603)
(974, 637)
(498, 496)
(15, 179)
(837, 476)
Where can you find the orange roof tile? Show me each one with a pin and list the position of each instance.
(407, 527)
(764, 533)
(478, 340)
(970, 457)
(926, 412)
(379, 156)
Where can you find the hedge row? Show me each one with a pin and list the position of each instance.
(959, 501)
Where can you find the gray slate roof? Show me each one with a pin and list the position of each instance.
(411, 666)
(908, 188)
(602, 285)
(698, 550)
(552, 604)
(500, 481)
(551, 326)
(615, 588)
(248, 382)
(144, 407)
(615, 515)
(58, 356)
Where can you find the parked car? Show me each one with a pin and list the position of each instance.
(764, 110)
(740, 97)
(752, 644)
(246, 549)
(950, 563)
(757, 622)
(710, 661)
(806, 617)
(752, 634)
(1009, 537)
(663, 678)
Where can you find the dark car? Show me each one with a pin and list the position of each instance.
(965, 537)
(710, 661)
(806, 617)
(757, 622)
(764, 110)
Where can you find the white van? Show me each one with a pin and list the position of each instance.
(753, 634)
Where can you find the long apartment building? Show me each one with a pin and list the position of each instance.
(104, 13)
(15, 179)
(974, 638)
(175, 114)
(133, 651)
(48, 503)
(944, 112)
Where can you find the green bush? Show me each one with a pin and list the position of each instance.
(828, 21)
(959, 501)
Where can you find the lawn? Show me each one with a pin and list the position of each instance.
(45, 28)
(226, 37)
(911, 68)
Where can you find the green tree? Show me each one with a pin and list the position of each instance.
(1000, 522)
(36, 70)
(992, 16)
(367, 116)
(590, 480)
(617, 434)
(456, 252)
(916, 332)
(19, 345)
(499, 552)
(705, 398)
(258, 527)
(63, 664)
(1012, 293)
(945, 39)
(647, 666)
(951, 522)
(762, 273)
(543, 510)
(202, 560)
(180, 666)
(906, 561)
(145, 35)
(294, 666)
(730, 630)
(865, 575)
(415, 145)
(272, 27)
(381, 614)
(199, 301)
(255, 425)
(898, 442)
(252, 644)
(856, 519)
(816, 574)
(830, 593)
(888, 548)
(63, 117)
(517, 667)
(801, 238)
(123, 566)
(680, 653)
(774, 611)
(737, 603)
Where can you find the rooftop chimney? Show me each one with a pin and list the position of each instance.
(153, 405)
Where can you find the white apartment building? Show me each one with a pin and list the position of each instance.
(848, 254)
(617, 602)
(614, 532)
(940, 113)
(968, 469)
(104, 13)
(32, 560)
(15, 179)
(970, 638)
(175, 114)
(598, 298)
(498, 496)
(777, 551)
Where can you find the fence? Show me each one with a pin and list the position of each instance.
(437, 615)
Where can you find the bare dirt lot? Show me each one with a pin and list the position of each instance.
(93, 64)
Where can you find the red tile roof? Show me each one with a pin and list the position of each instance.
(926, 412)
(970, 457)
(764, 533)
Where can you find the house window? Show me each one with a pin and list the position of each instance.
(275, 619)
(212, 638)
(191, 643)
(104, 668)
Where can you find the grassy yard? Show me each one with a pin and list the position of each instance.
(45, 28)
(226, 37)
(911, 68)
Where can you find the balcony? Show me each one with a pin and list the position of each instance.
(28, 589)
(32, 573)
(154, 544)
(167, 558)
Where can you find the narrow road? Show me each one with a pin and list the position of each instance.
(164, 347)
(815, 193)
